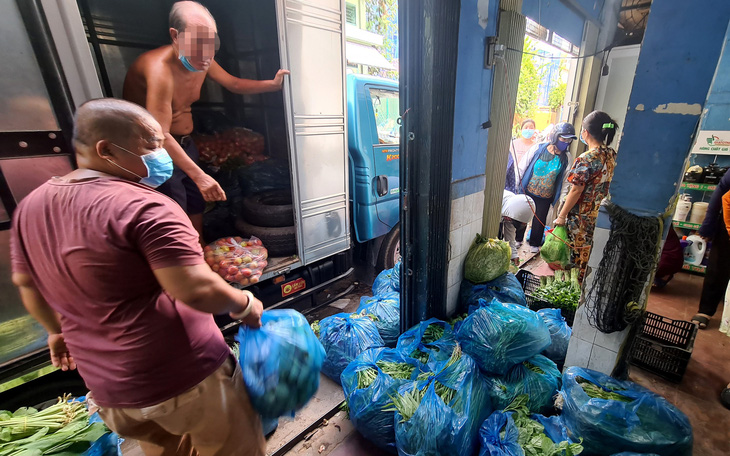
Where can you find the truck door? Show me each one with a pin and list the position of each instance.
(386, 153)
(35, 136)
(312, 47)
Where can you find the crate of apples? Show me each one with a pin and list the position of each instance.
(237, 260)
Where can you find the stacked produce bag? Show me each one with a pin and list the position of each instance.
(434, 393)
(369, 382)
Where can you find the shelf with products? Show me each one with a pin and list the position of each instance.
(686, 225)
(698, 186)
(693, 268)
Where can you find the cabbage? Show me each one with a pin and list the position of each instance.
(486, 260)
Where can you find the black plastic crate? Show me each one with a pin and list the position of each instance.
(664, 346)
(530, 282)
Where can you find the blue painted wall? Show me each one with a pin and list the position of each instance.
(472, 100)
(680, 52)
(717, 108)
(554, 15)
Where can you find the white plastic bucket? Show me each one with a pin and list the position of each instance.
(699, 210)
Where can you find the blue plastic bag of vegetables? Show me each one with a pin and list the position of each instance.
(499, 335)
(280, 362)
(537, 377)
(385, 281)
(368, 382)
(432, 340)
(612, 416)
(499, 436)
(560, 334)
(395, 277)
(505, 288)
(386, 308)
(344, 336)
(440, 413)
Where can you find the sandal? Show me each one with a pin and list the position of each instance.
(701, 320)
(725, 397)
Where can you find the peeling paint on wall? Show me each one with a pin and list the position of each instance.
(639, 107)
(483, 12)
(694, 109)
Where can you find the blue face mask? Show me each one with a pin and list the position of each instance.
(186, 63)
(583, 140)
(528, 133)
(158, 163)
(562, 145)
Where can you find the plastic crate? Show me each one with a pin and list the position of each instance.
(530, 282)
(664, 346)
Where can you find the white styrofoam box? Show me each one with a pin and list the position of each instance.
(602, 360)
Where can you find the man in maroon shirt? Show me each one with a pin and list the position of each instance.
(114, 272)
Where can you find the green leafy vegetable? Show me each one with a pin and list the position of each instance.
(606, 392)
(432, 333)
(399, 371)
(561, 291)
(532, 437)
(486, 260)
(315, 327)
(61, 428)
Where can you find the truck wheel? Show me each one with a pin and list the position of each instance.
(271, 209)
(389, 253)
(279, 241)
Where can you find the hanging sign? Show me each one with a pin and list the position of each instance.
(712, 142)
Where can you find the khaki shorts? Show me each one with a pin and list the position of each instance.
(215, 418)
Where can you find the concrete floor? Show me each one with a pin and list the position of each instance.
(708, 371)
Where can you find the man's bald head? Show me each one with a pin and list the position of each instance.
(109, 119)
(185, 12)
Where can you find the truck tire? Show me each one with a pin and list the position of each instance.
(389, 252)
(279, 241)
(269, 209)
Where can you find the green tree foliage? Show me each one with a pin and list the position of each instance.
(382, 18)
(556, 98)
(529, 83)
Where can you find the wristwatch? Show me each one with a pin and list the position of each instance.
(248, 308)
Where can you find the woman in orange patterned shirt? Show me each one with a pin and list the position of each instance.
(589, 180)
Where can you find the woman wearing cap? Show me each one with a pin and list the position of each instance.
(589, 181)
(516, 212)
(542, 171)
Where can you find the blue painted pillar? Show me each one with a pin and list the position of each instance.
(472, 103)
(679, 57)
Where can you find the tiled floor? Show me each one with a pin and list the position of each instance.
(708, 371)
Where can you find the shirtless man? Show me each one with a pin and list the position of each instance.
(167, 80)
